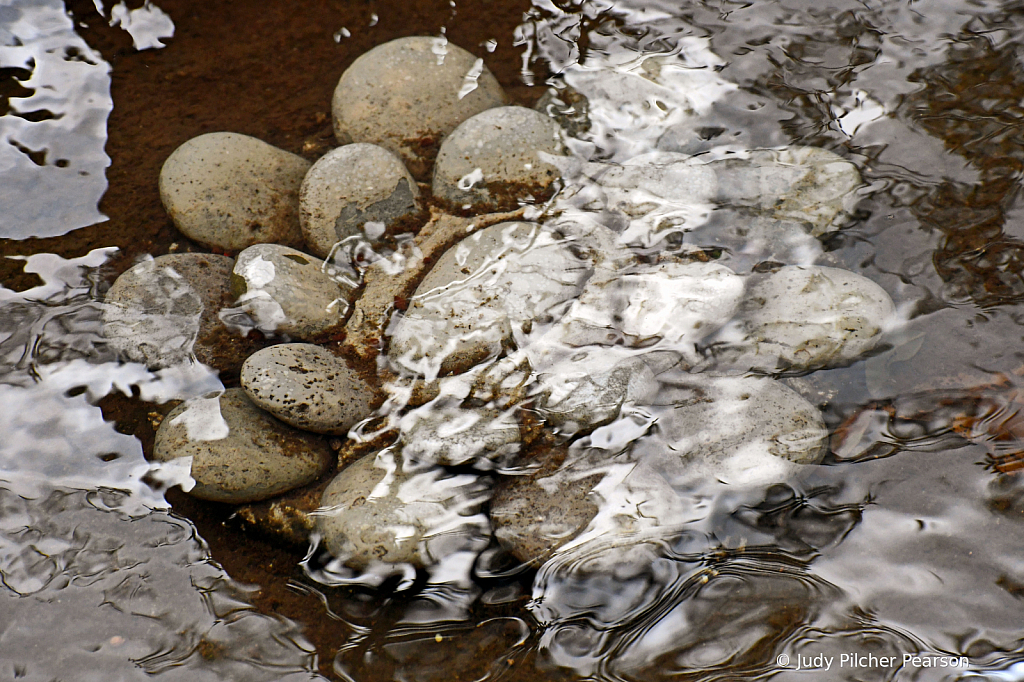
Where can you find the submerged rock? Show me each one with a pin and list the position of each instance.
(408, 94)
(239, 452)
(532, 514)
(355, 190)
(494, 160)
(308, 387)
(164, 311)
(377, 511)
(493, 282)
(450, 435)
(284, 291)
(800, 318)
(231, 191)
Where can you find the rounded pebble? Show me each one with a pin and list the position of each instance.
(163, 311)
(375, 511)
(308, 387)
(349, 187)
(283, 291)
(810, 317)
(451, 436)
(494, 160)
(408, 94)
(231, 191)
(239, 452)
(504, 276)
(534, 514)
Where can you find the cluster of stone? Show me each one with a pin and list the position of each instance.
(544, 380)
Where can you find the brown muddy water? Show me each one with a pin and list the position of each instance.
(900, 558)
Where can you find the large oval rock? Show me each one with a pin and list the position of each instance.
(408, 94)
(451, 435)
(231, 191)
(283, 291)
(239, 452)
(506, 276)
(494, 160)
(163, 311)
(534, 513)
(377, 512)
(308, 387)
(348, 188)
(810, 317)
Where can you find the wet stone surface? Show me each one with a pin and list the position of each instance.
(408, 94)
(231, 191)
(239, 452)
(380, 511)
(482, 291)
(497, 158)
(308, 387)
(355, 190)
(282, 291)
(450, 435)
(164, 311)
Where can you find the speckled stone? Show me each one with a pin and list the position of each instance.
(284, 291)
(451, 435)
(308, 387)
(408, 94)
(507, 276)
(494, 160)
(349, 187)
(239, 452)
(798, 183)
(230, 191)
(810, 317)
(535, 513)
(375, 511)
(163, 311)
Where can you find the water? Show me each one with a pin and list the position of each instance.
(908, 542)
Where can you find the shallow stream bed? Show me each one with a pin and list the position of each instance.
(900, 557)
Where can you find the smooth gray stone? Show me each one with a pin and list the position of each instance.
(284, 291)
(308, 387)
(533, 514)
(164, 311)
(800, 318)
(349, 187)
(450, 435)
(408, 94)
(506, 277)
(376, 511)
(494, 160)
(231, 191)
(239, 452)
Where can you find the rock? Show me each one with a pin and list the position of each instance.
(284, 291)
(739, 430)
(510, 276)
(349, 187)
(163, 311)
(800, 318)
(493, 160)
(589, 387)
(377, 510)
(668, 306)
(451, 435)
(239, 452)
(231, 191)
(408, 94)
(749, 240)
(535, 513)
(308, 387)
(382, 285)
(644, 199)
(798, 183)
